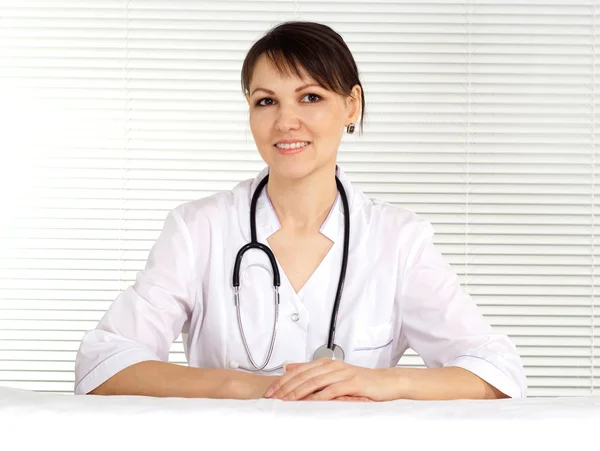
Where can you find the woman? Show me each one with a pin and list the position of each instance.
(303, 90)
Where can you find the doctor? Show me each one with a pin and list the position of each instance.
(352, 283)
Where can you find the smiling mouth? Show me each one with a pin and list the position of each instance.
(296, 145)
(293, 149)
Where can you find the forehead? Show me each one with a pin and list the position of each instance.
(265, 71)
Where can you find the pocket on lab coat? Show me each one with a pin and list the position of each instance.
(372, 346)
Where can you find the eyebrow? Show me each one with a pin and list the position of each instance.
(268, 91)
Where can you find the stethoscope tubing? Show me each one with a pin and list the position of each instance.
(254, 244)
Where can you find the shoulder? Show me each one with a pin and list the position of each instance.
(215, 208)
(204, 221)
(397, 231)
(394, 221)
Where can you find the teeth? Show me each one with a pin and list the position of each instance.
(292, 146)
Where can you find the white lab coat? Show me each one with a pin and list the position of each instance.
(399, 293)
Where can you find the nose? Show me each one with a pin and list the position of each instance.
(287, 118)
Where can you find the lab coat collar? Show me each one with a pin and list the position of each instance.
(267, 222)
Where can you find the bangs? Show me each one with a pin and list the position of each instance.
(300, 64)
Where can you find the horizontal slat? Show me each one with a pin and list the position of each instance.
(26, 46)
(245, 18)
(223, 31)
(158, 9)
(19, 365)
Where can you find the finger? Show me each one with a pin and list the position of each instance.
(352, 399)
(292, 366)
(334, 390)
(309, 382)
(299, 379)
(287, 366)
(346, 398)
(271, 389)
(291, 373)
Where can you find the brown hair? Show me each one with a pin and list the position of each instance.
(312, 46)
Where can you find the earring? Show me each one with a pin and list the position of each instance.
(350, 129)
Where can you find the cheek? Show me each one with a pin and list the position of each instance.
(326, 118)
(258, 125)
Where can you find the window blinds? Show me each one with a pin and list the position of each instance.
(481, 117)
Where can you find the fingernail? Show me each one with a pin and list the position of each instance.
(269, 393)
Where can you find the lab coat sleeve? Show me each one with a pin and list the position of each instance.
(443, 324)
(144, 319)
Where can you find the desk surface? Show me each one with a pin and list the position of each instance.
(130, 422)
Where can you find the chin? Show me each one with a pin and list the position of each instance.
(295, 167)
(291, 170)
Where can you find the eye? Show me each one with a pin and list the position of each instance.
(314, 95)
(259, 103)
(266, 101)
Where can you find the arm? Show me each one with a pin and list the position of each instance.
(465, 359)
(442, 323)
(127, 352)
(152, 378)
(438, 384)
(326, 379)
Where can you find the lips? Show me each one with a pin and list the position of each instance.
(292, 150)
(289, 141)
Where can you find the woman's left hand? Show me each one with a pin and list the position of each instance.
(327, 379)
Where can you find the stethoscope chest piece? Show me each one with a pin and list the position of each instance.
(337, 353)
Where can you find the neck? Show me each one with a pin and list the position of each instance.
(302, 205)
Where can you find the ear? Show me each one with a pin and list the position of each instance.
(353, 105)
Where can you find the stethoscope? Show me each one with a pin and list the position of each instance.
(329, 350)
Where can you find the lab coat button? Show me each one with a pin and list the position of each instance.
(295, 317)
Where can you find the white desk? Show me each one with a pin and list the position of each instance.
(30, 420)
